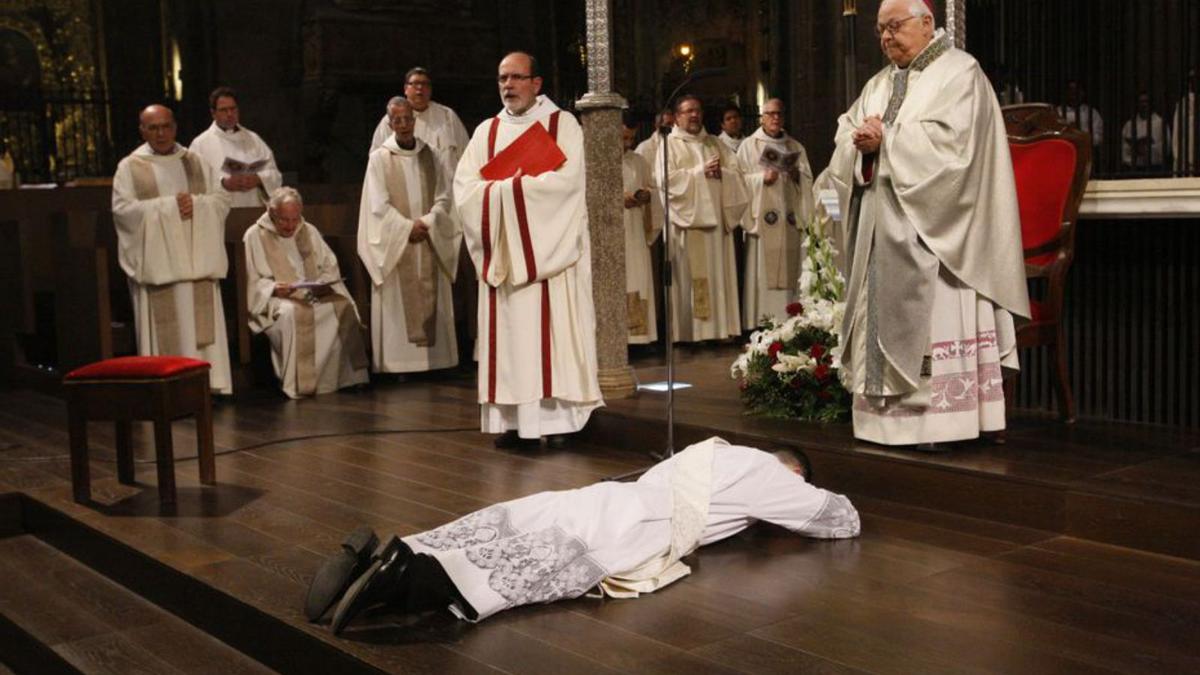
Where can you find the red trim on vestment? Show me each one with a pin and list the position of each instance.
(523, 228)
(553, 128)
(491, 384)
(487, 259)
(485, 227)
(547, 379)
(492, 137)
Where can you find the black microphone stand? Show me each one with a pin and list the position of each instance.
(668, 272)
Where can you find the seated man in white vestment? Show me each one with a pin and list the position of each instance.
(707, 198)
(528, 238)
(731, 128)
(925, 183)
(437, 125)
(239, 156)
(169, 210)
(296, 296)
(409, 243)
(623, 539)
(781, 205)
(643, 222)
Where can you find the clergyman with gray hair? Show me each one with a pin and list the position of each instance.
(925, 180)
(296, 296)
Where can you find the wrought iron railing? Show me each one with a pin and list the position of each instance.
(57, 136)
(1124, 71)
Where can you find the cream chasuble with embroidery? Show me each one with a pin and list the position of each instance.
(936, 271)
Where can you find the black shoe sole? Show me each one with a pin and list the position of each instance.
(338, 571)
(392, 560)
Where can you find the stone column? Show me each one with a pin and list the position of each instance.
(601, 112)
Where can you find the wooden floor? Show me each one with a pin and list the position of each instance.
(920, 591)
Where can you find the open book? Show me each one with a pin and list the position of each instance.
(235, 167)
(300, 285)
(783, 162)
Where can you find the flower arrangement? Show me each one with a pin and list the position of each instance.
(789, 367)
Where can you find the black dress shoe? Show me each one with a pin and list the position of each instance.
(557, 441)
(511, 439)
(382, 581)
(336, 573)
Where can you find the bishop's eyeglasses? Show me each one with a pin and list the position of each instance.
(892, 27)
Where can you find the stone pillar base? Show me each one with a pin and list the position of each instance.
(617, 382)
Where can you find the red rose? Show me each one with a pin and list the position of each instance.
(824, 395)
(795, 308)
(817, 350)
(821, 372)
(773, 350)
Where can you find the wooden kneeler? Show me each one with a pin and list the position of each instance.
(160, 389)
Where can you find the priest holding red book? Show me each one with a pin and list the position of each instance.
(519, 188)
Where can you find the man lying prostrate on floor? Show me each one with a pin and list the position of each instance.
(626, 538)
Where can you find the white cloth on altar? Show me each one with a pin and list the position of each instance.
(643, 224)
(439, 126)
(533, 256)
(947, 138)
(276, 316)
(215, 144)
(556, 545)
(734, 144)
(711, 209)
(383, 239)
(792, 207)
(158, 248)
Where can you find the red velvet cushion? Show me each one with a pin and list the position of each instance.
(136, 367)
(1043, 171)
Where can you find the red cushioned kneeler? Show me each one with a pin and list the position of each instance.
(121, 390)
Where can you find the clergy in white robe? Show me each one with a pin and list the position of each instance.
(1144, 139)
(528, 238)
(731, 128)
(924, 177)
(648, 149)
(169, 211)
(296, 296)
(1081, 115)
(781, 204)
(624, 538)
(409, 243)
(437, 125)
(642, 210)
(238, 156)
(707, 198)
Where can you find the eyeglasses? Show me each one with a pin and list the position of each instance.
(503, 79)
(891, 26)
(772, 113)
(420, 83)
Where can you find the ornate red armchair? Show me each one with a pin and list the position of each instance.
(1051, 162)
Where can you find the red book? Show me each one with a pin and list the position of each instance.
(534, 152)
